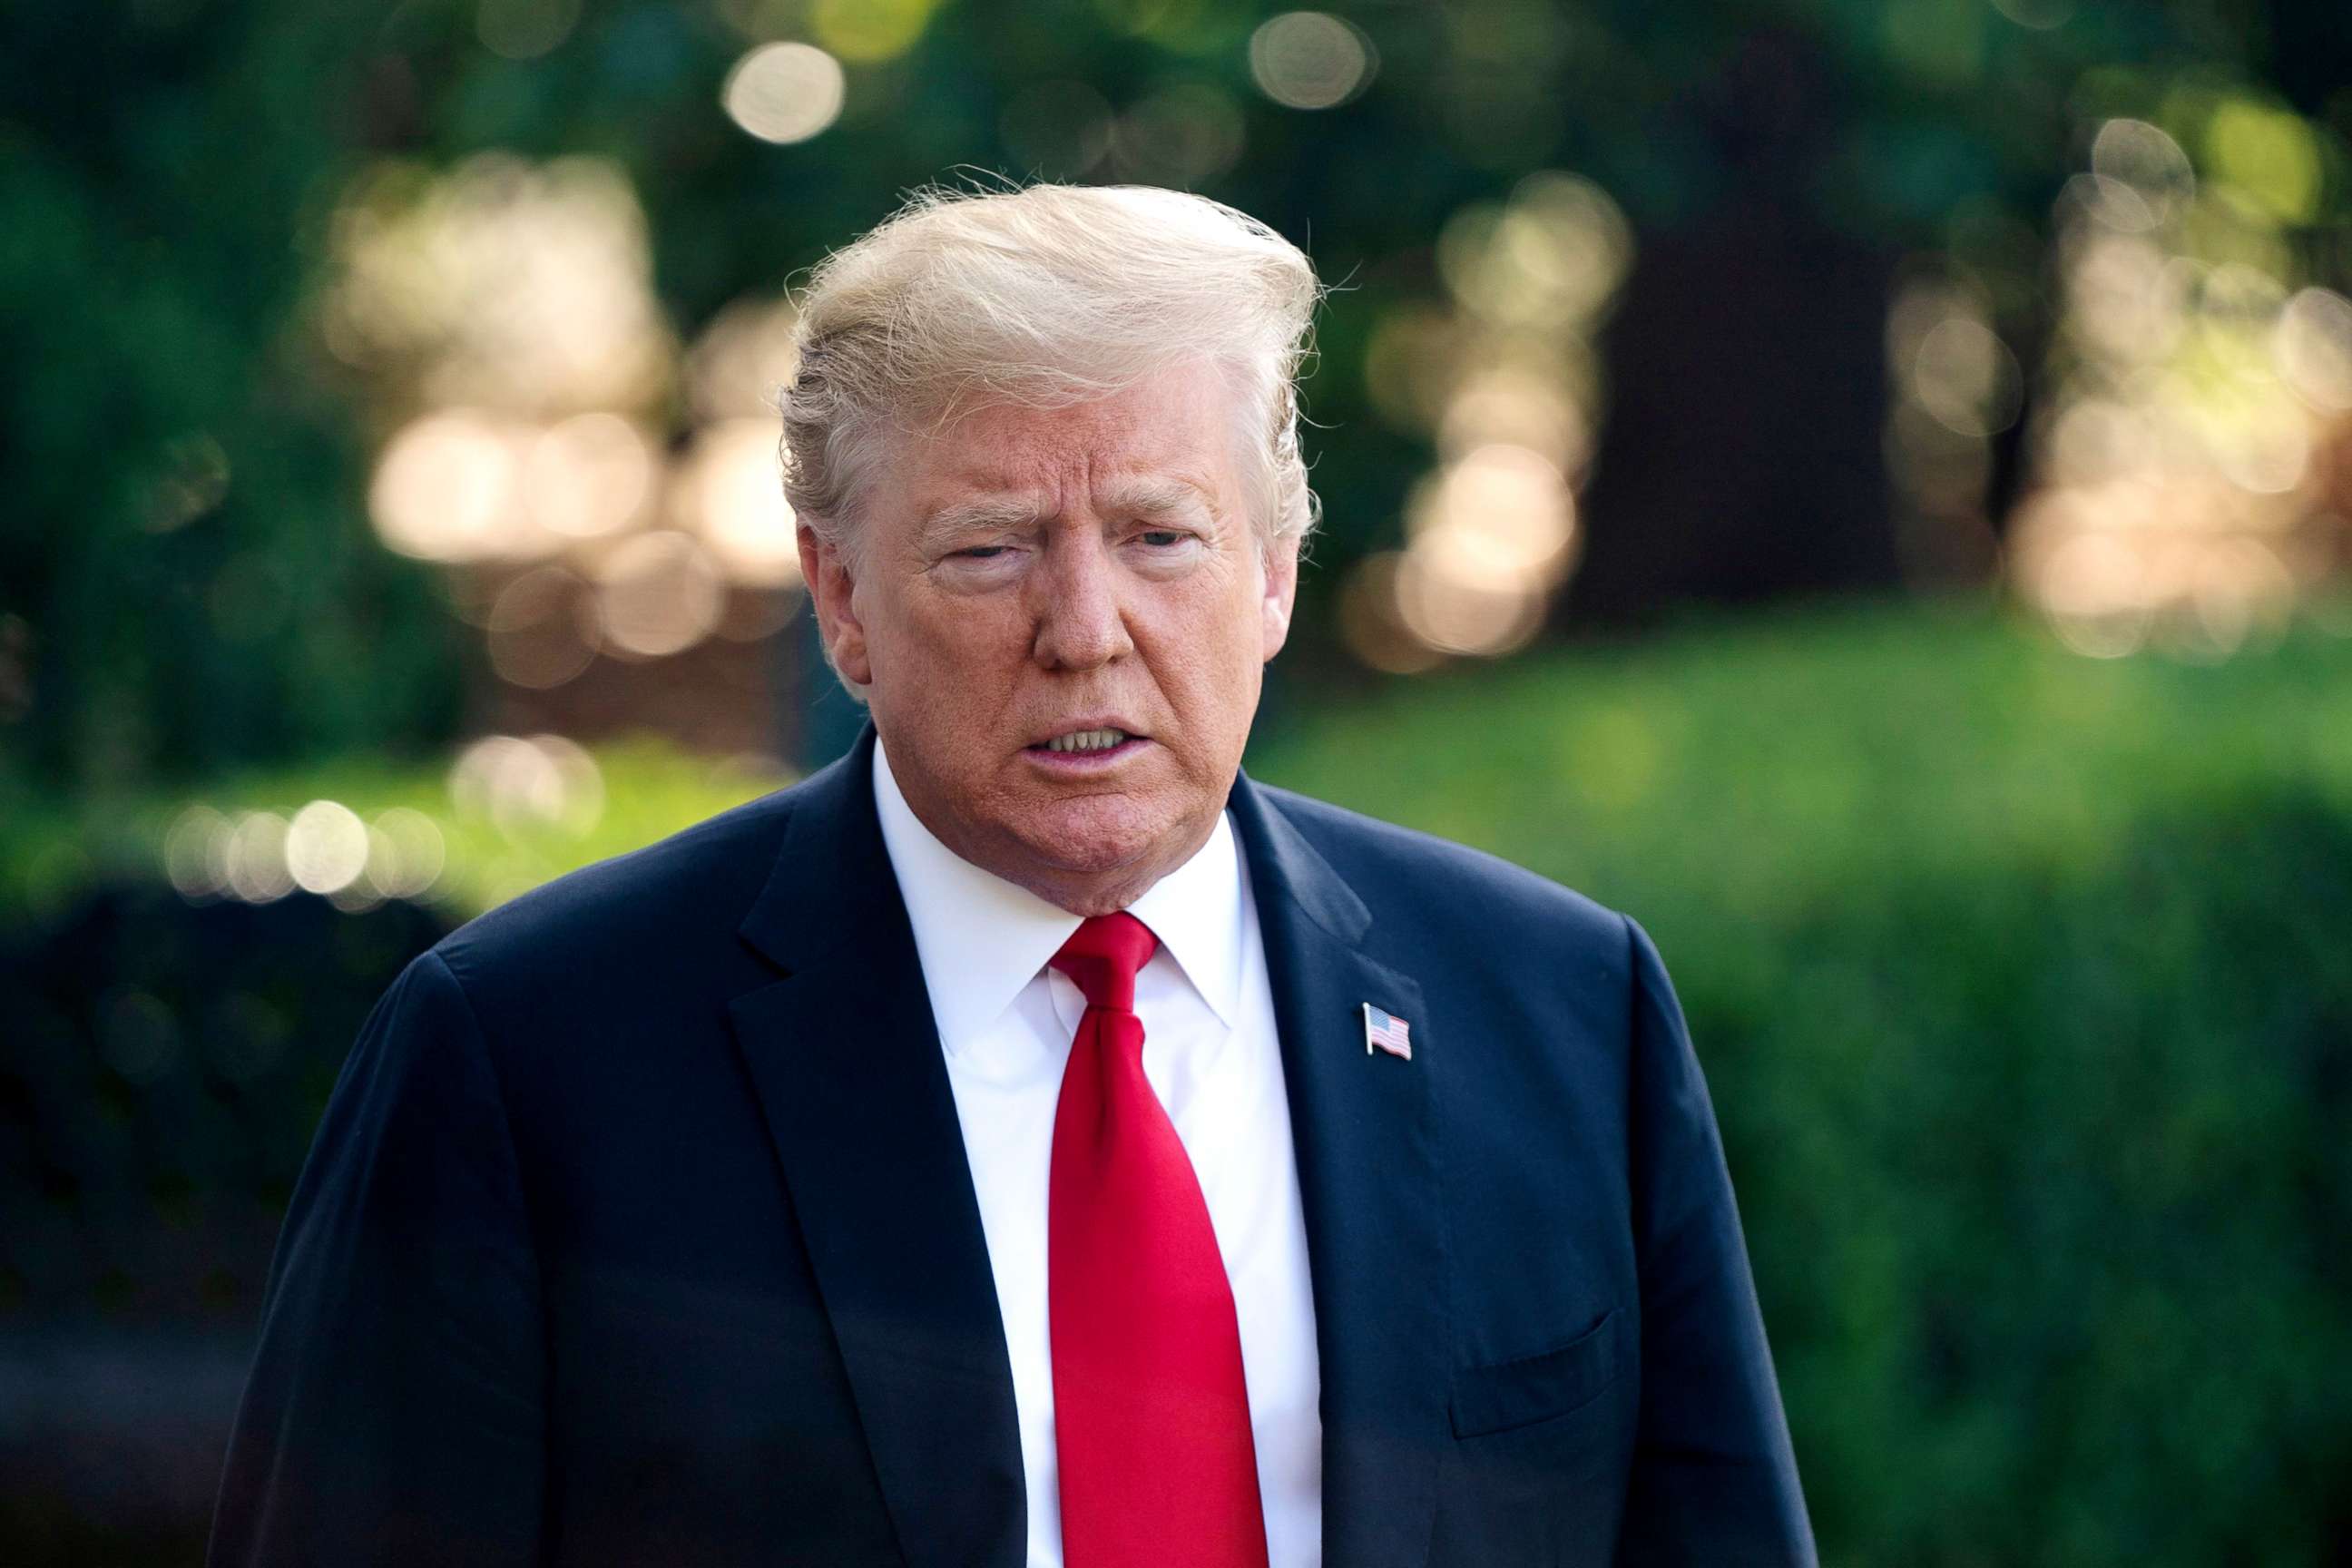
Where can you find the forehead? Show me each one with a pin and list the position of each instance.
(1177, 425)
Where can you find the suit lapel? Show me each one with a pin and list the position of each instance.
(845, 1057)
(1365, 1129)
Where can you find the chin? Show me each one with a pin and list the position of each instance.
(1097, 835)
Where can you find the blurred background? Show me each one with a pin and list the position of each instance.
(1862, 485)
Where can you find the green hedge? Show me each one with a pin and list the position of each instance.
(53, 849)
(2024, 984)
(168, 1057)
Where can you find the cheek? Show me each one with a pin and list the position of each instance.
(944, 635)
(952, 672)
(1212, 682)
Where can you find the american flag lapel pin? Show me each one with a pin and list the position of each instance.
(1386, 1032)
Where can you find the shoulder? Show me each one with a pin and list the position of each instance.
(1529, 988)
(1417, 881)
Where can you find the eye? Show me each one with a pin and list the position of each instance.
(983, 551)
(1164, 538)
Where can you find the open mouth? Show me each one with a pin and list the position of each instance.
(1077, 747)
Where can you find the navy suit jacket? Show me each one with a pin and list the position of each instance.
(638, 1230)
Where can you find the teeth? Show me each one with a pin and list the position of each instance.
(1086, 741)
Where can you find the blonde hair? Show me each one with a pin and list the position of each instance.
(1045, 296)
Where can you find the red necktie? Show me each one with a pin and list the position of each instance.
(1150, 1414)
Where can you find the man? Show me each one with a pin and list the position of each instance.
(1027, 1139)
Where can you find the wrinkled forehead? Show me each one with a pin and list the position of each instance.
(1163, 446)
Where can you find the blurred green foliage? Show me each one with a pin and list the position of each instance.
(54, 847)
(182, 541)
(2022, 987)
(188, 583)
(168, 1058)
(166, 1066)
(1821, 751)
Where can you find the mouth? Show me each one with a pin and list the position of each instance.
(1088, 748)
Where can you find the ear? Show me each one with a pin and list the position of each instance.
(1280, 592)
(832, 593)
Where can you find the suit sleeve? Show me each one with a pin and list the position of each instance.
(1714, 1482)
(394, 1413)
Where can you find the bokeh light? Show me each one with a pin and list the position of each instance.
(2177, 495)
(1371, 623)
(1967, 377)
(253, 857)
(2269, 154)
(784, 93)
(2312, 344)
(1515, 405)
(1506, 381)
(406, 853)
(657, 594)
(523, 784)
(590, 475)
(2142, 177)
(595, 493)
(1501, 519)
(192, 853)
(502, 284)
(743, 361)
(1310, 59)
(449, 487)
(729, 493)
(1185, 136)
(1458, 613)
(1547, 258)
(543, 628)
(1945, 360)
(525, 29)
(870, 30)
(326, 846)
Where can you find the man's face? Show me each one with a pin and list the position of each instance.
(1027, 579)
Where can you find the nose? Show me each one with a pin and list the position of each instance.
(1076, 599)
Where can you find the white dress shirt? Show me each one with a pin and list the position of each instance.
(1006, 1022)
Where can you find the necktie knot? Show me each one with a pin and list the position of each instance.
(1102, 957)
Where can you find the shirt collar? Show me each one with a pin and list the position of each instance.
(1195, 911)
(981, 938)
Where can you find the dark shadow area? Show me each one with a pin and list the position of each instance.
(164, 1066)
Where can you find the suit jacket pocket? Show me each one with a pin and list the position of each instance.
(1522, 1392)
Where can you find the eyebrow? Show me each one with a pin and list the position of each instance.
(1153, 496)
(1158, 496)
(977, 515)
